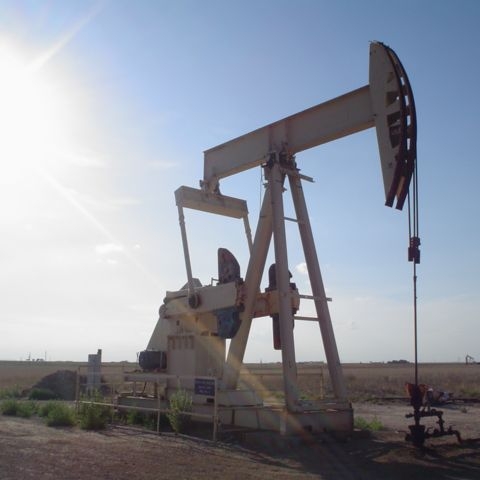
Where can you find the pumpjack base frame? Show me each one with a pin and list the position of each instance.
(332, 418)
(324, 417)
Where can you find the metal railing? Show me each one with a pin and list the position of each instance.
(117, 389)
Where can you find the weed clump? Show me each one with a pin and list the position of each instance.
(138, 418)
(373, 426)
(42, 394)
(135, 417)
(180, 405)
(93, 416)
(16, 408)
(470, 392)
(58, 414)
(9, 407)
(45, 408)
(12, 392)
(61, 416)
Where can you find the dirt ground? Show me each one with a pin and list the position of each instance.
(31, 450)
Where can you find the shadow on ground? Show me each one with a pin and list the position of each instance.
(382, 455)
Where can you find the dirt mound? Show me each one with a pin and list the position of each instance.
(63, 383)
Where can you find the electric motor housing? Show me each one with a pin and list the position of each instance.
(152, 360)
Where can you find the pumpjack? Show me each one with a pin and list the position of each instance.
(189, 340)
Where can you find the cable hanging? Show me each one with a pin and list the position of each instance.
(414, 254)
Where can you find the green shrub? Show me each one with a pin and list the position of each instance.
(374, 425)
(135, 417)
(93, 416)
(180, 402)
(60, 415)
(11, 392)
(42, 394)
(45, 408)
(9, 407)
(16, 408)
(470, 392)
(145, 419)
(27, 409)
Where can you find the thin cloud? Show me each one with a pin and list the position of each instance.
(364, 300)
(102, 204)
(352, 325)
(71, 197)
(302, 268)
(124, 202)
(87, 160)
(161, 165)
(109, 248)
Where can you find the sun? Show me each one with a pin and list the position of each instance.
(33, 117)
(35, 135)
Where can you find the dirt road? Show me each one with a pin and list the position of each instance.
(31, 450)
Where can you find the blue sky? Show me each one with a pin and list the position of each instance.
(110, 106)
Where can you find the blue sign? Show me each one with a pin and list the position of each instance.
(205, 386)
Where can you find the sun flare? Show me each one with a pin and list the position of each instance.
(33, 120)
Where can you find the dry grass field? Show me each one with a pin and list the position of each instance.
(369, 381)
(365, 381)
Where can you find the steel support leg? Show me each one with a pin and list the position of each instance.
(318, 289)
(275, 181)
(253, 277)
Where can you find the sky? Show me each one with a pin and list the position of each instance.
(106, 108)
